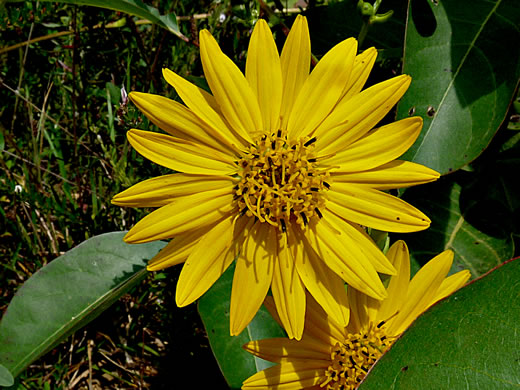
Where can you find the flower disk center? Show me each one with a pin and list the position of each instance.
(281, 182)
(351, 360)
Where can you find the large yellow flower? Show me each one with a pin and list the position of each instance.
(331, 356)
(279, 169)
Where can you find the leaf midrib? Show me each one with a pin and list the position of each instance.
(44, 345)
(450, 85)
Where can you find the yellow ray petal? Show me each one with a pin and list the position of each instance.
(264, 74)
(322, 89)
(177, 250)
(295, 61)
(198, 102)
(353, 118)
(288, 376)
(451, 284)
(182, 216)
(181, 155)
(345, 258)
(288, 293)
(398, 286)
(375, 209)
(362, 66)
(208, 260)
(320, 327)
(363, 310)
(210, 99)
(323, 284)
(278, 349)
(395, 174)
(355, 235)
(229, 86)
(253, 275)
(422, 289)
(177, 120)
(378, 147)
(271, 308)
(162, 190)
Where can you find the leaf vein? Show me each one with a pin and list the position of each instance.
(461, 64)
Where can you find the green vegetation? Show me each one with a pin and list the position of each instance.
(64, 155)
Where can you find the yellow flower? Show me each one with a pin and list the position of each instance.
(331, 356)
(278, 169)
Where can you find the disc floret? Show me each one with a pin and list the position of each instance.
(281, 181)
(351, 360)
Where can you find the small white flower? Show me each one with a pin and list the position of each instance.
(124, 96)
(18, 189)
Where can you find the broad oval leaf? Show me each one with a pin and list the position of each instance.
(236, 364)
(476, 249)
(67, 293)
(467, 341)
(6, 379)
(132, 7)
(464, 59)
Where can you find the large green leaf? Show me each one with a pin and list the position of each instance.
(464, 60)
(132, 7)
(6, 379)
(235, 363)
(468, 341)
(477, 248)
(491, 199)
(67, 293)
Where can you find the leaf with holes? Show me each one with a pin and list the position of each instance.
(467, 341)
(235, 363)
(464, 59)
(67, 293)
(477, 247)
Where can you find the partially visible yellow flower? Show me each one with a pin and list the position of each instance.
(331, 356)
(279, 169)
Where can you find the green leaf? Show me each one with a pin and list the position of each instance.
(235, 363)
(67, 293)
(6, 379)
(132, 7)
(464, 59)
(468, 341)
(491, 201)
(455, 210)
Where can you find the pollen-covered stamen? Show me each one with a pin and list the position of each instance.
(282, 181)
(351, 360)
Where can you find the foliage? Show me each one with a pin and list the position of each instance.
(60, 170)
(459, 322)
(82, 284)
(132, 7)
(234, 362)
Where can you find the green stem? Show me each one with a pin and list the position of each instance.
(366, 23)
(376, 5)
(363, 32)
